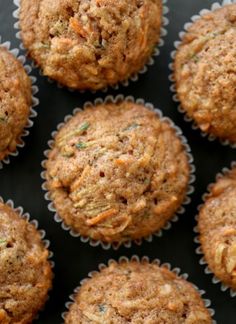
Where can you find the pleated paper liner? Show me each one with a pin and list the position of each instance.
(214, 6)
(143, 260)
(199, 251)
(134, 77)
(26, 216)
(35, 101)
(175, 217)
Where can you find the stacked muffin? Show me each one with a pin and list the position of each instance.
(117, 172)
(90, 44)
(15, 102)
(217, 228)
(205, 73)
(26, 274)
(137, 292)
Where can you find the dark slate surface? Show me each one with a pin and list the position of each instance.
(21, 180)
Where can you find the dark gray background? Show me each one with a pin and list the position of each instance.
(21, 180)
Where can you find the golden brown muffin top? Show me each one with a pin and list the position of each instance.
(205, 73)
(217, 226)
(117, 172)
(137, 293)
(15, 101)
(90, 44)
(24, 267)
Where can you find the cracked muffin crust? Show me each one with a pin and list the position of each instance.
(217, 228)
(134, 292)
(90, 44)
(117, 172)
(205, 73)
(15, 102)
(24, 267)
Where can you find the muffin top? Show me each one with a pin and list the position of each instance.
(15, 101)
(136, 293)
(217, 227)
(205, 73)
(117, 172)
(90, 44)
(25, 271)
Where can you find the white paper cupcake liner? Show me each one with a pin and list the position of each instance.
(175, 217)
(134, 77)
(26, 216)
(199, 251)
(215, 6)
(144, 259)
(35, 101)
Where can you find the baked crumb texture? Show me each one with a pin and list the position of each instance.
(217, 228)
(205, 73)
(25, 272)
(117, 172)
(137, 293)
(90, 44)
(15, 102)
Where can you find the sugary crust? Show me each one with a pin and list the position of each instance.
(217, 226)
(117, 172)
(26, 274)
(15, 102)
(90, 44)
(205, 73)
(137, 293)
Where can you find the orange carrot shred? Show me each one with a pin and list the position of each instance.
(102, 216)
(120, 162)
(77, 27)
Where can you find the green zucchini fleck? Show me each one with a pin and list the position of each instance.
(102, 308)
(131, 127)
(84, 126)
(81, 145)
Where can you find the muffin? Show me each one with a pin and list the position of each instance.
(15, 102)
(137, 292)
(205, 73)
(217, 229)
(26, 274)
(117, 172)
(90, 44)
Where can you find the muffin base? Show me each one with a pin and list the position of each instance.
(210, 137)
(35, 101)
(125, 83)
(198, 250)
(175, 217)
(144, 259)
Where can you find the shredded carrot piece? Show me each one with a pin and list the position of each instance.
(229, 231)
(120, 162)
(102, 216)
(76, 184)
(2, 314)
(77, 27)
